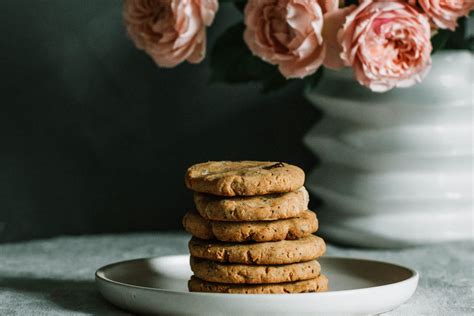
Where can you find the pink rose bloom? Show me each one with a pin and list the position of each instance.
(170, 31)
(333, 22)
(387, 43)
(288, 33)
(445, 13)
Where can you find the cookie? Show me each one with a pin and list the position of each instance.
(319, 284)
(231, 178)
(276, 252)
(212, 271)
(252, 208)
(291, 228)
(197, 226)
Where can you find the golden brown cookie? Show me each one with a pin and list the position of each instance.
(231, 178)
(291, 228)
(212, 271)
(318, 284)
(252, 208)
(197, 226)
(275, 252)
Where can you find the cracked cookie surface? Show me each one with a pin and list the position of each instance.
(259, 231)
(276, 252)
(244, 178)
(318, 284)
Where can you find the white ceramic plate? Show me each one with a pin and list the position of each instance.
(159, 286)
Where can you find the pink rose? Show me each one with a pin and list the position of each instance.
(387, 43)
(170, 31)
(333, 22)
(445, 13)
(288, 33)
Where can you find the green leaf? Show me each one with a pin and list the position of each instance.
(440, 39)
(470, 31)
(457, 39)
(470, 44)
(460, 38)
(311, 81)
(232, 62)
(274, 81)
(351, 2)
(240, 4)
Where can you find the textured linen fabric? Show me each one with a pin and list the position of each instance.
(56, 276)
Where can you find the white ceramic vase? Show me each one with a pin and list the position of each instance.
(396, 167)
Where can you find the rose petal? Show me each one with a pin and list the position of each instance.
(170, 31)
(332, 24)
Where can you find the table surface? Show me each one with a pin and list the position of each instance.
(56, 276)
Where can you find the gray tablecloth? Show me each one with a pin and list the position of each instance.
(56, 276)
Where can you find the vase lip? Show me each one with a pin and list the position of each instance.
(448, 84)
(452, 51)
(449, 53)
(460, 55)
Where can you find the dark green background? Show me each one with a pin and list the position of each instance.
(96, 138)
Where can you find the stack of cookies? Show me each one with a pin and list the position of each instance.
(252, 230)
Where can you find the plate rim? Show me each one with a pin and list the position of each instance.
(415, 275)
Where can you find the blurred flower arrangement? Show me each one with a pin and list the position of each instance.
(387, 43)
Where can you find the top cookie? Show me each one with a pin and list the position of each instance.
(244, 178)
